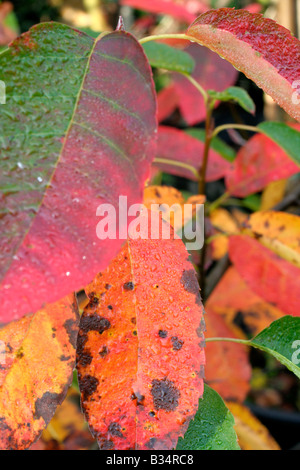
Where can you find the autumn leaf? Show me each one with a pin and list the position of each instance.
(271, 277)
(227, 369)
(143, 325)
(36, 368)
(167, 7)
(259, 162)
(211, 71)
(263, 50)
(88, 114)
(244, 312)
(252, 434)
(186, 152)
(278, 231)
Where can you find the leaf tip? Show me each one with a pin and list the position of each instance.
(120, 26)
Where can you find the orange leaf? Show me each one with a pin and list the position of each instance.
(140, 347)
(245, 313)
(228, 370)
(274, 279)
(36, 365)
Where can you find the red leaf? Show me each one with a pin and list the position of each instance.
(271, 277)
(212, 73)
(257, 164)
(176, 145)
(264, 51)
(50, 251)
(167, 101)
(227, 370)
(140, 348)
(165, 7)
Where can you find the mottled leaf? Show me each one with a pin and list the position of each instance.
(169, 58)
(140, 348)
(278, 231)
(37, 358)
(274, 279)
(228, 369)
(212, 428)
(177, 146)
(264, 51)
(87, 114)
(236, 94)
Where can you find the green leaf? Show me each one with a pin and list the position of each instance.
(282, 340)
(217, 144)
(168, 58)
(237, 95)
(285, 136)
(212, 427)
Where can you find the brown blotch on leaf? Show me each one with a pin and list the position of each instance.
(94, 323)
(190, 283)
(108, 286)
(64, 358)
(88, 386)
(104, 351)
(165, 394)
(71, 327)
(162, 333)
(128, 286)
(45, 407)
(105, 444)
(140, 399)
(133, 320)
(177, 343)
(115, 430)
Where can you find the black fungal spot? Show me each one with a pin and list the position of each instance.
(128, 286)
(71, 327)
(115, 430)
(45, 407)
(105, 444)
(88, 386)
(165, 394)
(64, 358)
(84, 357)
(104, 351)
(134, 333)
(177, 343)
(110, 307)
(139, 398)
(162, 333)
(108, 286)
(151, 443)
(94, 323)
(133, 320)
(152, 414)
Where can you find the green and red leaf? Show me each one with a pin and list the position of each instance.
(89, 113)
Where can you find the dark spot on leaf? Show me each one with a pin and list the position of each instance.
(128, 286)
(115, 429)
(105, 444)
(190, 284)
(71, 327)
(177, 343)
(267, 224)
(110, 307)
(133, 320)
(94, 323)
(162, 333)
(104, 351)
(239, 320)
(45, 407)
(152, 414)
(64, 358)
(165, 394)
(88, 386)
(134, 333)
(139, 398)
(108, 286)
(151, 443)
